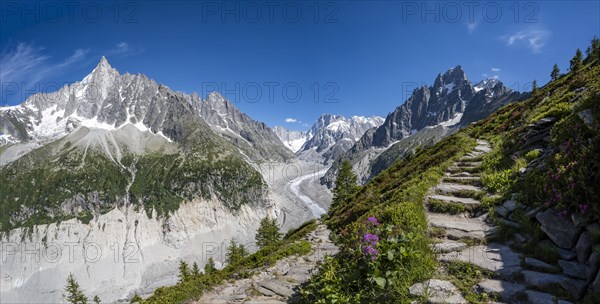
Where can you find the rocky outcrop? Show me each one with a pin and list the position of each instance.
(277, 283)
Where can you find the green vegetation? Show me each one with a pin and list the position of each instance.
(73, 293)
(345, 184)
(389, 207)
(268, 233)
(438, 206)
(196, 285)
(235, 252)
(363, 274)
(464, 276)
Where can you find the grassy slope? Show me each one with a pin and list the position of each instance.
(395, 196)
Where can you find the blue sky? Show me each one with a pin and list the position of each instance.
(293, 60)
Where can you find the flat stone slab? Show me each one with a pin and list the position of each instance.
(448, 246)
(494, 257)
(454, 199)
(506, 290)
(276, 286)
(456, 222)
(541, 265)
(438, 291)
(540, 279)
(452, 188)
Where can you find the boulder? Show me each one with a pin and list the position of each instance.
(541, 265)
(560, 230)
(536, 297)
(583, 247)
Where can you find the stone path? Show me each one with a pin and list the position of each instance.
(278, 283)
(464, 237)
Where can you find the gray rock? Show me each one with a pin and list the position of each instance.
(587, 116)
(574, 269)
(541, 279)
(500, 210)
(583, 247)
(541, 265)
(459, 227)
(276, 286)
(595, 284)
(536, 297)
(494, 257)
(566, 254)
(438, 291)
(506, 290)
(563, 302)
(561, 231)
(575, 288)
(511, 205)
(448, 246)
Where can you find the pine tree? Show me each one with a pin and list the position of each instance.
(534, 87)
(555, 72)
(345, 184)
(195, 270)
(268, 233)
(210, 266)
(184, 271)
(235, 252)
(74, 294)
(593, 51)
(576, 61)
(96, 299)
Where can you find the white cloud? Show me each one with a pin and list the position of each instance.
(533, 39)
(124, 49)
(472, 26)
(291, 120)
(27, 64)
(495, 69)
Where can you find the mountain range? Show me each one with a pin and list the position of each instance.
(450, 103)
(121, 159)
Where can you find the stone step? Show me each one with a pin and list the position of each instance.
(494, 257)
(456, 169)
(472, 164)
(507, 291)
(438, 291)
(454, 199)
(459, 227)
(464, 180)
(274, 287)
(446, 246)
(462, 174)
(449, 188)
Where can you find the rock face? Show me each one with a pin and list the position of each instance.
(108, 100)
(291, 139)
(120, 252)
(225, 119)
(332, 135)
(451, 102)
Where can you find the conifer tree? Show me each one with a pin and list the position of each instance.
(184, 271)
(210, 266)
(96, 299)
(555, 72)
(268, 233)
(136, 298)
(195, 269)
(73, 293)
(576, 61)
(345, 184)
